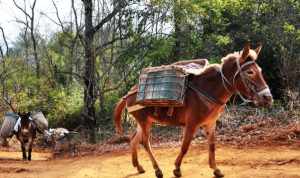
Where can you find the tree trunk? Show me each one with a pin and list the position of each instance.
(177, 51)
(89, 74)
(182, 33)
(35, 54)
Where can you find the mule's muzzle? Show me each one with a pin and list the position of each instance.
(265, 98)
(267, 101)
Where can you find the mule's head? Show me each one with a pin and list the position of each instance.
(248, 79)
(26, 123)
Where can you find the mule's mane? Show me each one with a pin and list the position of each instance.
(231, 56)
(237, 54)
(216, 66)
(211, 67)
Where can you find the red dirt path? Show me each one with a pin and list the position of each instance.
(259, 162)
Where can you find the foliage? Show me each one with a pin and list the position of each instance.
(150, 33)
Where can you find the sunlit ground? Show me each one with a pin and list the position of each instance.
(259, 162)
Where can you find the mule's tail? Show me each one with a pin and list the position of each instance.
(118, 115)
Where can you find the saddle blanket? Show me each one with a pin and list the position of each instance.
(194, 67)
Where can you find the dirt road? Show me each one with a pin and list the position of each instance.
(260, 162)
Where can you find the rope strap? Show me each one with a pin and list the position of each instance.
(201, 92)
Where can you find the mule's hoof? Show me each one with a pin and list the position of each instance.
(140, 169)
(218, 173)
(177, 172)
(158, 173)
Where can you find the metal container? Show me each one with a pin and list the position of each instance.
(8, 124)
(162, 86)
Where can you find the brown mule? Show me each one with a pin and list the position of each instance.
(205, 100)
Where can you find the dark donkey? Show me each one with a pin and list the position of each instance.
(26, 133)
(205, 100)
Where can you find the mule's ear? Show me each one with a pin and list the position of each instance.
(257, 50)
(245, 52)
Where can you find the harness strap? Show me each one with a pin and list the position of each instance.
(224, 80)
(135, 108)
(201, 92)
(239, 71)
(243, 79)
(243, 98)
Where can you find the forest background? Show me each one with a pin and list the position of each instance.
(76, 74)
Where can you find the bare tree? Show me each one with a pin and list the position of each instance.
(29, 23)
(103, 32)
(5, 42)
(90, 60)
(5, 73)
(74, 40)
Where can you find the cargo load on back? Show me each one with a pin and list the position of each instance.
(161, 86)
(165, 85)
(8, 124)
(40, 120)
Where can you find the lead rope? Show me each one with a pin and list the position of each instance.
(224, 79)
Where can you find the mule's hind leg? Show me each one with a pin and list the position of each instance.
(188, 136)
(210, 132)
(147, 146)
(134, 143)
(23, 151)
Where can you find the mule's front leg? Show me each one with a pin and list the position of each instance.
(188, 136)
(29, 150)
(23, 151)
(210, 132)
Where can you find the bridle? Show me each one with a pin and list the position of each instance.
(247, 82)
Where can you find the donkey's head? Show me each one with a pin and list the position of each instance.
(248, 79)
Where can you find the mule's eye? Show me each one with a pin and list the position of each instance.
(250, 72)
